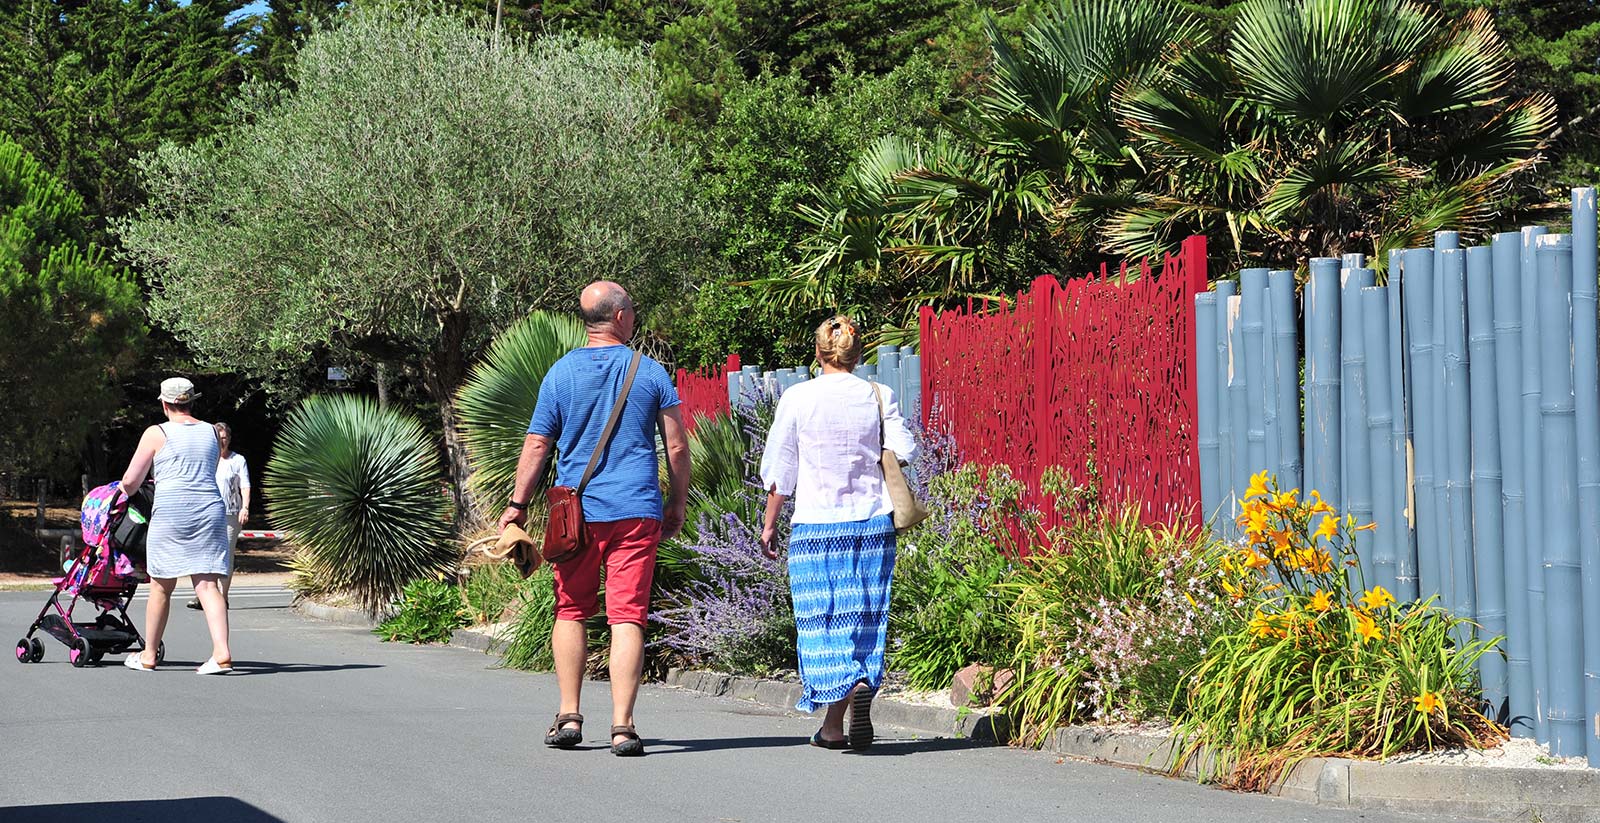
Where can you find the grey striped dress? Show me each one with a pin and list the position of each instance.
(188, 524)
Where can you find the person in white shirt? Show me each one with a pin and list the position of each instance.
(233, 480)
(824, 448)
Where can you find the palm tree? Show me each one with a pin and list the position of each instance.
(998, 196)
(1326, 126)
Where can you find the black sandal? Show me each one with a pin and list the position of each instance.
(861, 717)
(564, 738)
(824, 743)
(631, 746)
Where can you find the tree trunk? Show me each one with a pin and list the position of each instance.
(381, 377)
(442, 373)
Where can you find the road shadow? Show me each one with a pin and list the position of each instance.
(245, 668)
(883, 747)
(181, 810)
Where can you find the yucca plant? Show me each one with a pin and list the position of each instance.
(719, 449)
(359, 490)
(497, 400)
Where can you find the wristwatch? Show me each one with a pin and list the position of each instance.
(521, 507)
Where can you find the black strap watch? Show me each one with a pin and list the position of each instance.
(521, 507)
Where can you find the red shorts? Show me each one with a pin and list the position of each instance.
(627, 550)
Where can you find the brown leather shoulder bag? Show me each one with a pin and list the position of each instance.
(563, 536)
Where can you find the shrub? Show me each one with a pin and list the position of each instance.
(430, 610)
(527, 645)
(737, 616)
(1111, 616)
(1319, 666)
(947, 611)
(490, 589)
(358, 490)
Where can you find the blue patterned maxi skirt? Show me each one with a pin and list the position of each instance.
(839, 577)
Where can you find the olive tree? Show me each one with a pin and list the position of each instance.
(422, 184)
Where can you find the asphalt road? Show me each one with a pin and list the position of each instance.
(325, 723)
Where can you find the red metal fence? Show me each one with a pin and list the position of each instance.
(1095, 371)
(705, 394)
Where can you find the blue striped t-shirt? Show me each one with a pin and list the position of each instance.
(574, 403)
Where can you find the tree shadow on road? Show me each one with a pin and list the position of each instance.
(182, 810)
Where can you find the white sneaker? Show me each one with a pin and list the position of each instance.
(133, 662)
(211, 666)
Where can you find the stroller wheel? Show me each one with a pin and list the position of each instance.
(24, 650)
(161, 652)
(38, 650)
(80, 653)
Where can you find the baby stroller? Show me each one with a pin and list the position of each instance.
(105, 574)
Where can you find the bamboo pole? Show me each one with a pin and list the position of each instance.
(1533, 481)
(1507, 248)
(1351, 427)
(1271, 389)
(1322, 380)
(1252, 302)
(1205, 344)
(1456, 401)
(1286, 374)
(1387, 502)
(1563, 573)
(1224, 291)
(1488, 553)
(1587, 412)
(1357, 458)
(1402, 459)
(1419, 306)
(1238, 399)
(1444, 541)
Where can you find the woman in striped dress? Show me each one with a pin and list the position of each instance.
(823, 450)
(188, 533)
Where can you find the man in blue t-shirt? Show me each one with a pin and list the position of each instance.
(624, 520)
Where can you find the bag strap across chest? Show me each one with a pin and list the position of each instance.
(611, 423)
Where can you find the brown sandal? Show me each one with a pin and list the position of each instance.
(564, 738)
(631, 746)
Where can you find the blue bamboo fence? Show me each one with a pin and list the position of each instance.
(1457, 405)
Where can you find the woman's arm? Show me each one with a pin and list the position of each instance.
(244, 491)
(769, 522)
(896, 435)
(143, 458)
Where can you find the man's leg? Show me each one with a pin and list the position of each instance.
(627, 667)
(570, 648)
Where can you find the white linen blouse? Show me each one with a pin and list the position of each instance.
(823, 449)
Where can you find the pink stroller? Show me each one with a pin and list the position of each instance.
(105, 575)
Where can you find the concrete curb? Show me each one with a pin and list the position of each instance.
(1474, 792)
(335, 614)
(978, 726)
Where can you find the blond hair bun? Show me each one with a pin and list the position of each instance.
(838, 342)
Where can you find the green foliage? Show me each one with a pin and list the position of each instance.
(72, 321)
(358, 489)
(773, 140)
(719, 449)
(423, 184)
(490, 589)
(527, 646)
(1555, 45)
(497, 400)
(948, 608)
(90, 84)
(430, 611)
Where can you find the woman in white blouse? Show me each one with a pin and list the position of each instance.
(233, 480)
(823, 450)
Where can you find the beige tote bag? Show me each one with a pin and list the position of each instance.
(908, 512)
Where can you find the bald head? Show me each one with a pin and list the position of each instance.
(600, 302)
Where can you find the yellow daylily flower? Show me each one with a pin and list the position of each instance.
(1367, 628)
(1258, 486)
(1254, 559)
(1280, 542)
(1427, 702)
(1320, 602)
(1329, 528)
(1376, 598)
(1319, 506)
